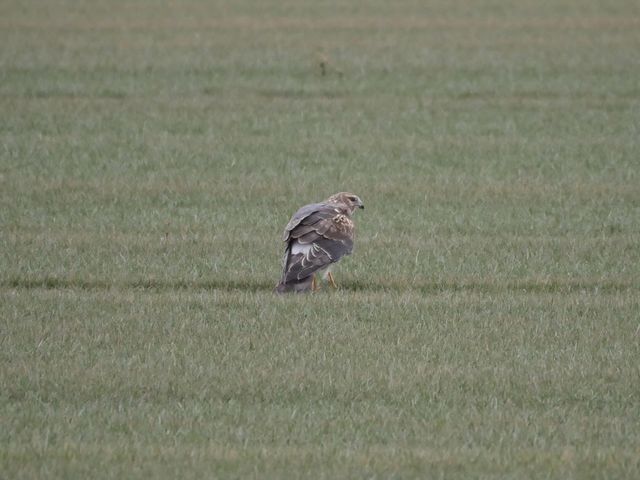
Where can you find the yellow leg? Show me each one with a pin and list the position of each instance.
(314, 284)
(332, 282)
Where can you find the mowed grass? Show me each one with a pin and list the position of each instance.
(487, 324)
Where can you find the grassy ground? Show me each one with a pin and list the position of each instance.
(488, 323)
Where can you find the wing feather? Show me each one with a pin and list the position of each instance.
(301, 230)
(299, 216)
(318, 216)
(309, 237)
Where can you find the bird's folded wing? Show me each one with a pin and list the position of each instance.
(314, 256)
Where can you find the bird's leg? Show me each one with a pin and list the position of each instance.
(314, 284)
(332, 282)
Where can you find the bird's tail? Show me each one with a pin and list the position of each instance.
(296, 286)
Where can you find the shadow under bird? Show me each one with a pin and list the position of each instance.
(317, 236)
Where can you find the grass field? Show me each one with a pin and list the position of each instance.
(488, 323)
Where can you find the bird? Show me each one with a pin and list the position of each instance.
(316, 237)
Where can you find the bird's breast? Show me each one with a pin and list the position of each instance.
(343, 222)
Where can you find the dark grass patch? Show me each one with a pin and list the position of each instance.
(301, 94)
(490, 285)
(76, 94)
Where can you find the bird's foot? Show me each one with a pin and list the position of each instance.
(332, 282)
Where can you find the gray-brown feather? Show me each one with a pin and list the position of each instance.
(300, 215)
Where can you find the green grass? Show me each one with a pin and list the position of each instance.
(487, 325)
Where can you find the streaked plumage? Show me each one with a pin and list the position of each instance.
(317, 236)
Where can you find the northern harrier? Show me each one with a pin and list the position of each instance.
(317, 236)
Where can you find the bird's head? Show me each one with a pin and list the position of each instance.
(349, 200)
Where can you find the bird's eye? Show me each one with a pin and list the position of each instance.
(353, 199)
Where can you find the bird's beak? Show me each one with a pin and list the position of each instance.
(361, 205)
